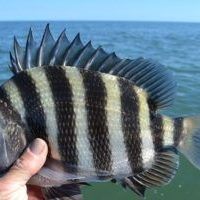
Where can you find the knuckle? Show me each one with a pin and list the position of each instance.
(22, 167)
(20, 164)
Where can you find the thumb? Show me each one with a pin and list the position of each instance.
(28, 164)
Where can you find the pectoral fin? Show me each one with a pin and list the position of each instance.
(64, 192)
(53, 174)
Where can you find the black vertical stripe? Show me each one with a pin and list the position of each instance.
(157, 131)
(130, 125)
(96, 100)
(178, 129)
(10, 113)
(65, 116)
(34, 113)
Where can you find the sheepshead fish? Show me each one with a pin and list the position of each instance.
(99, 115)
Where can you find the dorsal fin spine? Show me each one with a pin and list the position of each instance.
(17, 53)
(94, 57)
(56, 47)
(106, 66)
(76, 42)
(13, 66)
(83, 53)
(47, 37)
(29, 45)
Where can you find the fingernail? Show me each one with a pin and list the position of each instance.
(37, 146)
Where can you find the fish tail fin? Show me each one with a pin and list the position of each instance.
(189, 140)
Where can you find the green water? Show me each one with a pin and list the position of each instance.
(177, 45)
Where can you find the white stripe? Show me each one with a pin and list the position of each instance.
(83, 145)
(145, 130)
(119, 156)
(15, 98)
(168, 127)
(46, 98)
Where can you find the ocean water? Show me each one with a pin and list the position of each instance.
(176, 45)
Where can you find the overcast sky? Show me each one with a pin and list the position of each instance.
(139, 10)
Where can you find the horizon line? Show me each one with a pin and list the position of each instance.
(96, 20)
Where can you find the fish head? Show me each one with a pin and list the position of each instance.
(12, 143)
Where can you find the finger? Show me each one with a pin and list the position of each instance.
(28, 164)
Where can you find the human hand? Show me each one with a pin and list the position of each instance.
(13, 183)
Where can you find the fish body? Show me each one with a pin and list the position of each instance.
(98, 114)
(86, 118)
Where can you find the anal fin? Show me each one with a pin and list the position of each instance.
(162, 171)
(64, 192)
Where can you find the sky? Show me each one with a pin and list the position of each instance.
(128, 10)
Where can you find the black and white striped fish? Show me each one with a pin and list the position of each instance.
(98, 114)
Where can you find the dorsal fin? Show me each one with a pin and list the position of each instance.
(145, 73)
